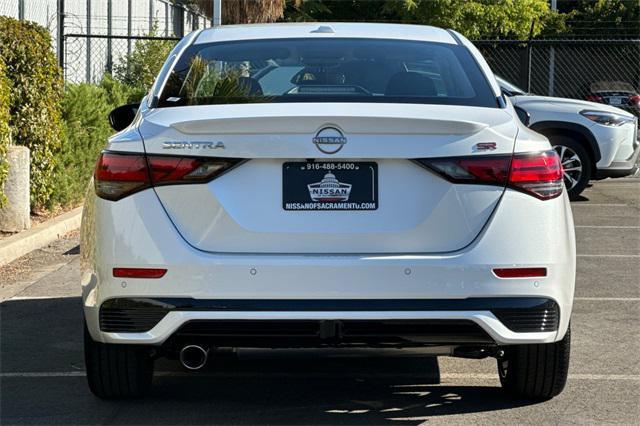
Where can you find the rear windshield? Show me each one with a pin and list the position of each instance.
(327, 70)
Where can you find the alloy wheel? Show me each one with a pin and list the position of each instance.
(571, 165)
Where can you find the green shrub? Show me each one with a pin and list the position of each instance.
(139, 69)
(85, 109)
(119, 93)
(4, 128)
(36, 92)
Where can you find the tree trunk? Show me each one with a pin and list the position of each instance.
(241, 11)
(251, 11)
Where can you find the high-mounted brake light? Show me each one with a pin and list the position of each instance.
(538, 174)
(139, 272)
(120, 174)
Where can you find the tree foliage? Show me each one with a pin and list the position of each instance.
(479, 18)
(473, 18)
(607, 18)
(482, 19)
(34, 103)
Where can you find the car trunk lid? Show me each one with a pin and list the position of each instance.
(407, 208)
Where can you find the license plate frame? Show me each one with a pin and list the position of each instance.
(330, 186)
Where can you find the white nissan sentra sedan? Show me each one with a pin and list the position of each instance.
(318, 185)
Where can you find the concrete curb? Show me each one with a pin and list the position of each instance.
(39, 236)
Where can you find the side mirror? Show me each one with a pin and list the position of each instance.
(121, 117)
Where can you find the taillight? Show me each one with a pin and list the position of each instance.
(634, 100)
(120, 174)
(181, 170)
(485, 170)
(538, 174)
(595, 98)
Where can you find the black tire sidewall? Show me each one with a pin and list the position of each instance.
(108, 377)
(548, 371)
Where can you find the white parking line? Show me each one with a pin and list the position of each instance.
(609, 299)
(598, 204)
(489, 376)
(631, 256)
(608, 226)
(619, 182)
(42, 297)
(446, 376)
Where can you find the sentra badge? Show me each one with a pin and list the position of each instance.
(329, 189)
(193, 145)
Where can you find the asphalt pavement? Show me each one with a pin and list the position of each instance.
(42, 371)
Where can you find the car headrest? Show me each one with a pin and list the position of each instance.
(410, 84)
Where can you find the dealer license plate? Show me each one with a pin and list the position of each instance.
(335, 185)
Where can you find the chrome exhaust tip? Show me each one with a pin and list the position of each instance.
(193, 357)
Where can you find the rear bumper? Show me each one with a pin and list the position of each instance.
(276, 323)
(136, 232)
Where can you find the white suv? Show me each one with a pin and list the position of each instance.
(592, 139)
(326, 185)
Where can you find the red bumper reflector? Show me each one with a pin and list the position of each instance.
(520, 272)
(139, 272)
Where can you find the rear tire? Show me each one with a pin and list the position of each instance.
(536, 372)
(577, 162)
(117, 371)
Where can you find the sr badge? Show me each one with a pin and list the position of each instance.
(485, 146)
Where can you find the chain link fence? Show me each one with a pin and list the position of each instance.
(89, 57)
(88, 20)
(565, 68)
